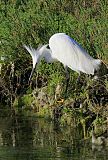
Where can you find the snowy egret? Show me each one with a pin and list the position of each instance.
(63, 48)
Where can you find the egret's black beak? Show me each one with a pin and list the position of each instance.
(31, 74)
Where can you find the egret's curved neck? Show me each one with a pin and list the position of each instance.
(40, 53)
(46, 53)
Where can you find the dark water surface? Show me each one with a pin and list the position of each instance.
(31, 138)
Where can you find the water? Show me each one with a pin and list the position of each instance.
(31, 138)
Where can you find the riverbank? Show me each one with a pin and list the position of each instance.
(86, 107)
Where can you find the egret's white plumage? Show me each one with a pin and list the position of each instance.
(67, 51)
(71, 54)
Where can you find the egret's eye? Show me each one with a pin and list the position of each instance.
(48, 47)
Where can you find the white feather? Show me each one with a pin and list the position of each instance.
(71, 54)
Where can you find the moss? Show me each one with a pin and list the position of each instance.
(46, 112)
(27, 100)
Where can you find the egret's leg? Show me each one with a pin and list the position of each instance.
(31, 75)
(67, 79)
(78, 78)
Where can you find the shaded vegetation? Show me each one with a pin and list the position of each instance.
(33, 22)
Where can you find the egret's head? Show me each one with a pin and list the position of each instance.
(35, 58)
(35, 54)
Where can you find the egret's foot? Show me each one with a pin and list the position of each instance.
(61, 100)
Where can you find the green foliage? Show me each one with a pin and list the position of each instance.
(27, 99)
(34, 21)
(23, 102)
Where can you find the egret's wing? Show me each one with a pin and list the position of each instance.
(33, 52)
(71, 54)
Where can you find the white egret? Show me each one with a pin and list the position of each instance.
(63, 48)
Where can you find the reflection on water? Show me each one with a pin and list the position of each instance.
(30, 138)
